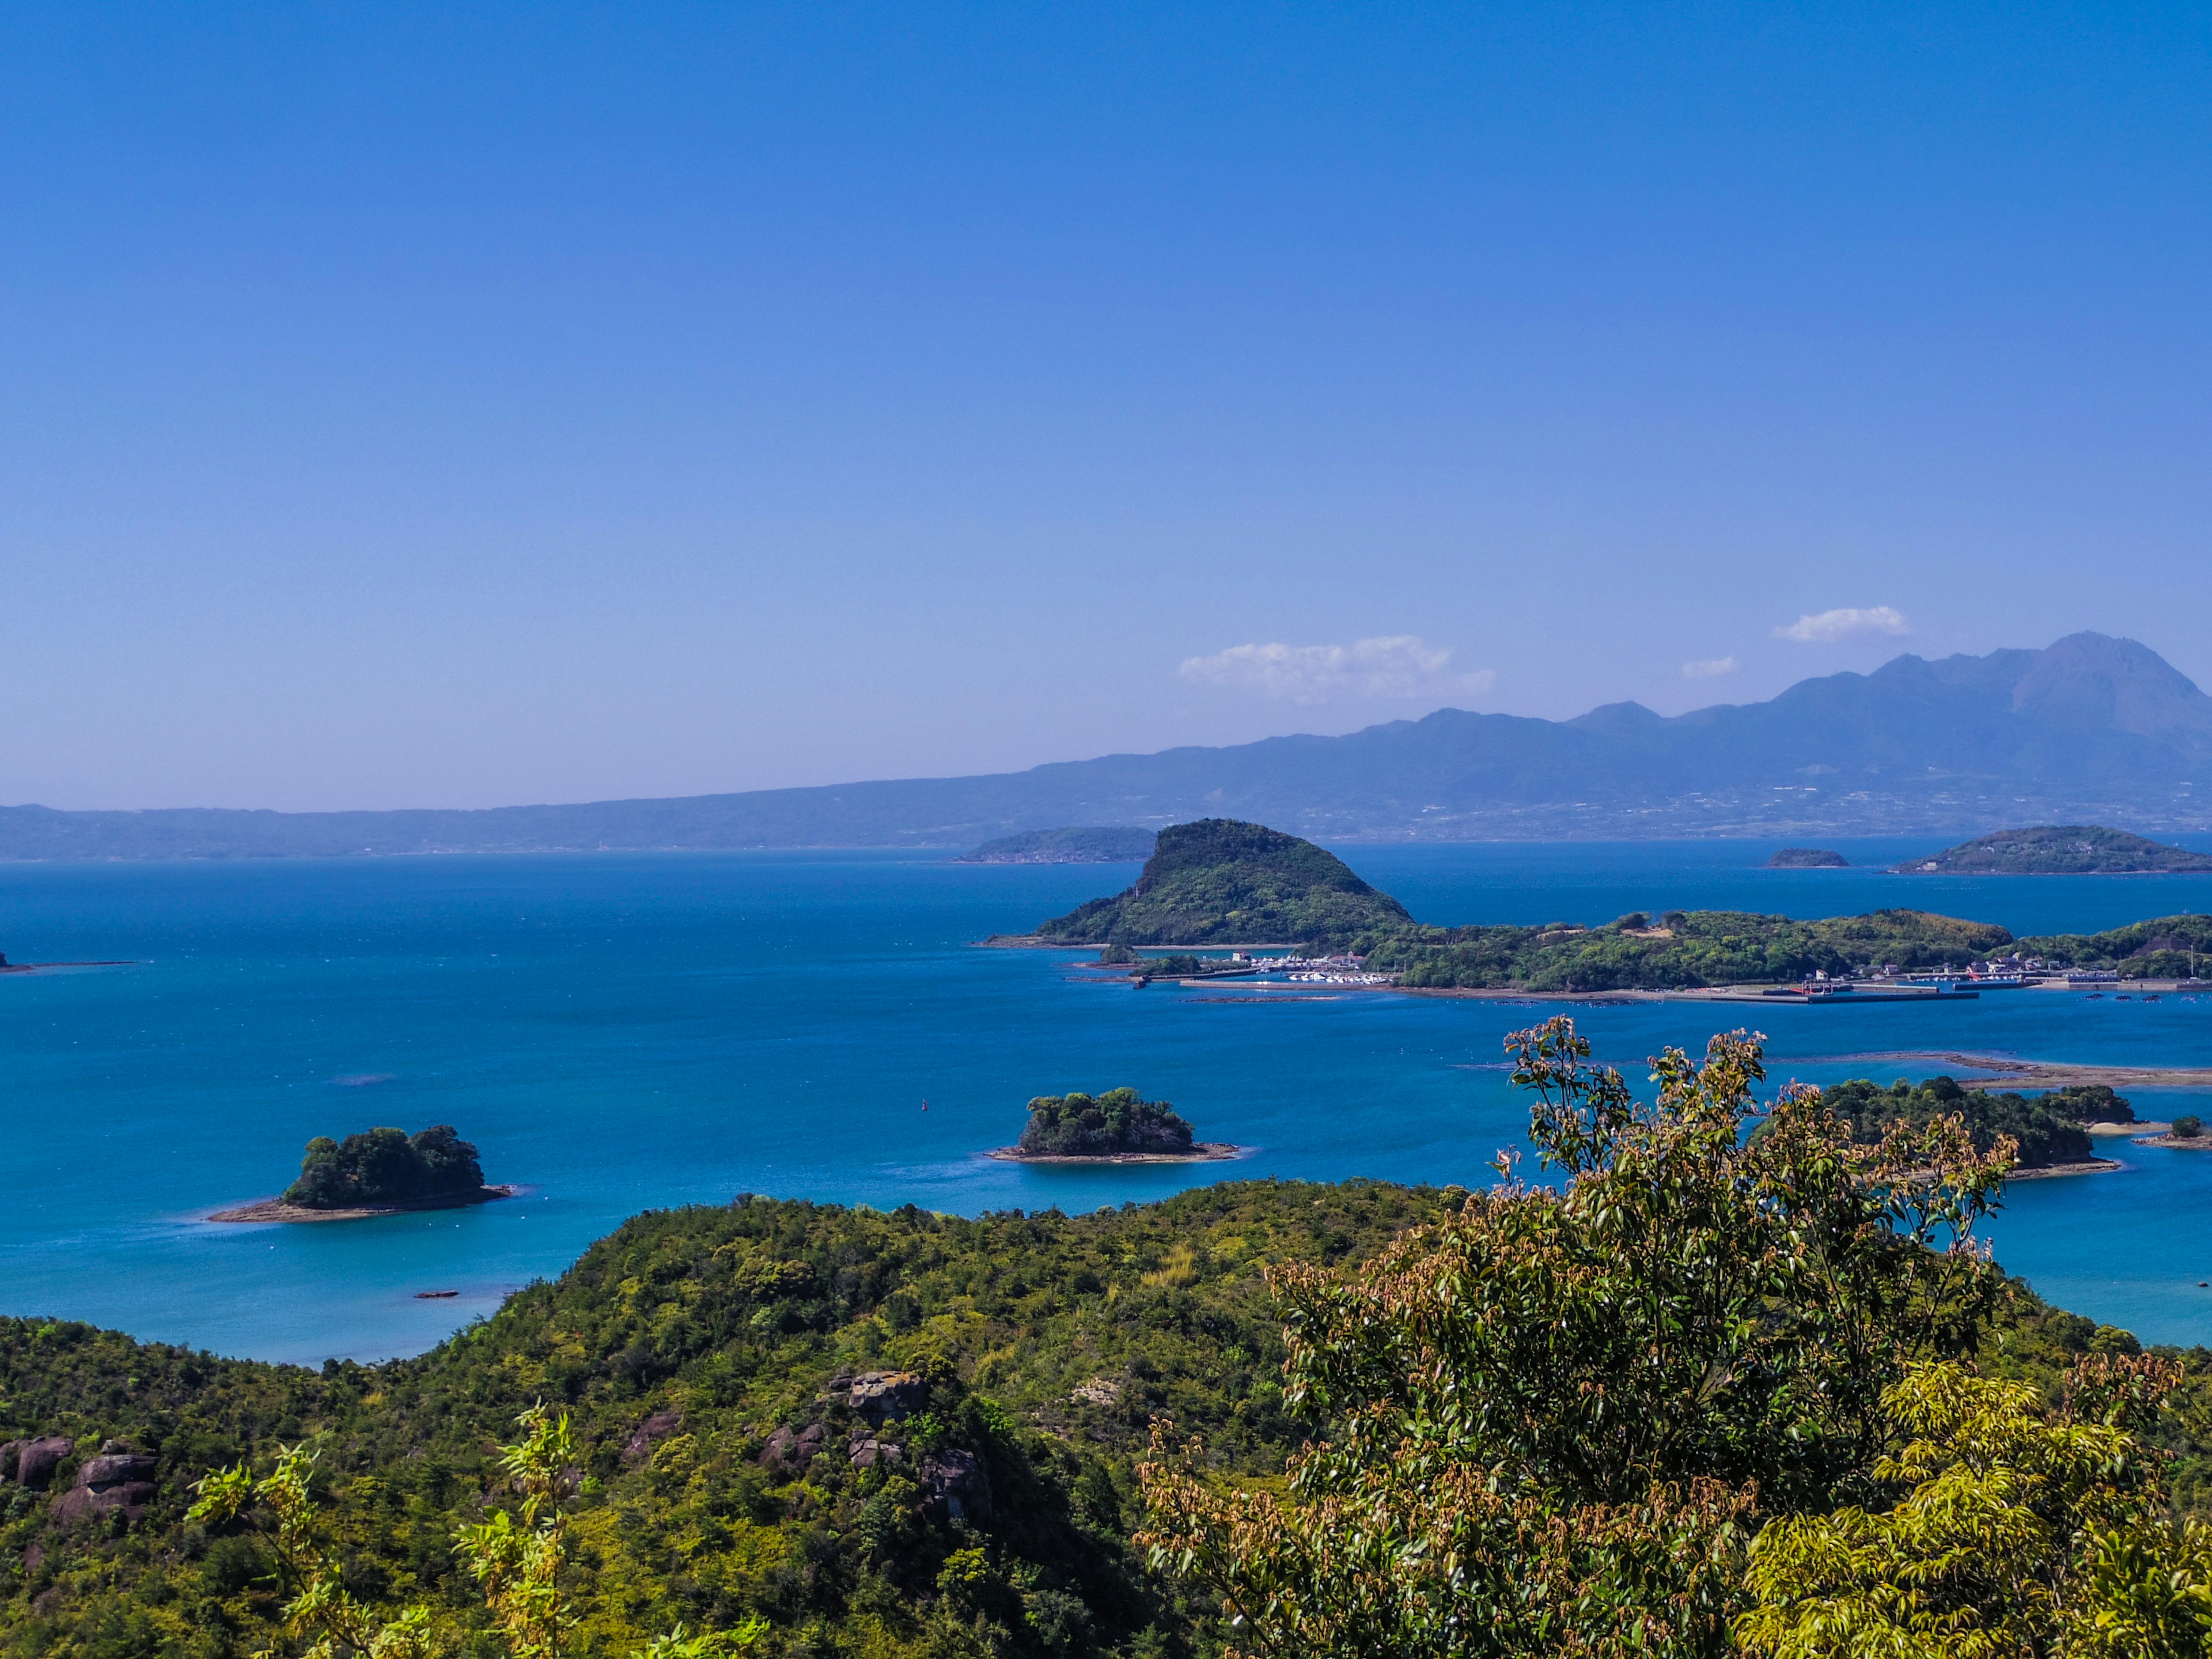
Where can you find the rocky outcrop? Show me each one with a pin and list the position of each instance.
(880, 1396)
(869, 1453)
(117, 1478)
(789, 1454)
(955, 1487)
(32, 1463)
(655, 1428)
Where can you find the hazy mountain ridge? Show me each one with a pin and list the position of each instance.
(2092, 729)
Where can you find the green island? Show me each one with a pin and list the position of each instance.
(1219, 881)
(1735, 1390)
(2059, 849)
(1119, 1126)
(1808, 857)
(2050, 1129)
(1095, 845)
(379, 1172)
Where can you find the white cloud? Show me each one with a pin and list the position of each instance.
(1712, 668)
(1397, 665)
(1845, 624)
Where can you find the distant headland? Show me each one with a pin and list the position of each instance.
(383, 1172)
(2060, 849)
(1117, 1127)
(1075, 845)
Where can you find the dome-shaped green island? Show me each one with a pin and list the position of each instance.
(1118, 1127)
(383, 1172)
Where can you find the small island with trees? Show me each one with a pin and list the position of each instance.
(1118, 1127)
(1808, 858)
(383, 1172)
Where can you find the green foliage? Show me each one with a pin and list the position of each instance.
(1220, 881)
(2188, 1128)
(2044, 1129)
(384, 1166)
(1689, 948)
(1555, 1418)
(2017, 1532)
(1119, 1120)
(1047, 1345)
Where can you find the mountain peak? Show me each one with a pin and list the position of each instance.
(2095, 680)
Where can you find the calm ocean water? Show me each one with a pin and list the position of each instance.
(620, 1033)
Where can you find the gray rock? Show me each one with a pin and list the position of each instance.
(955, 1487)
(115, 1469)
(37, 1460)
(879, 1396)
(790, 1453)
(659, 1426)
(868, 1454)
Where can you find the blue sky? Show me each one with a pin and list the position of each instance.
(459, 406)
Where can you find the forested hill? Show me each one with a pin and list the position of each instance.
(1220, 882)
(724, 1368)
(2091, 729)
(777, 1404)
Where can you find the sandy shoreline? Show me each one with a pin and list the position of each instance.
(1203, 1151)
(275, 1209)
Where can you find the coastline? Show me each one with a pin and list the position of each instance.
(2041, 1073)
(2055, 1171)
(1201, 1152)
(275, 1209)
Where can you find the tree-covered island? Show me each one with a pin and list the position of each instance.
(1119, 1126)
(376, 1173)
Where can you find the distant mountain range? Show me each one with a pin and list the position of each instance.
(2091, 730)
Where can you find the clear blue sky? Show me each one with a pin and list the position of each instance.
(465, 405)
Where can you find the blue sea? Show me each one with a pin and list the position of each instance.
(618, 1033)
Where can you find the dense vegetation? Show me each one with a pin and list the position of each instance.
(1723, 1394)
(1220, 881)
(1076, 846)
(2167, 947)
(2060, 849)
(699, 1352)
(1119, 1120)
(1808, 857)
(1688, 1397)
(1685, 949)
(385, 1166)
(2047, 1127)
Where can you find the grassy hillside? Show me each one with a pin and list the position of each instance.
(1220, 882)
(1682, 950)
(1045, 1346)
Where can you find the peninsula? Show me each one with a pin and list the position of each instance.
(1075, 845)
(2060, 849)
(1220, 881)
(1118, 1127)
(383, 1172)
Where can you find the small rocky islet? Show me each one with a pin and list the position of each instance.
(381, 1171)
(1117, 1127)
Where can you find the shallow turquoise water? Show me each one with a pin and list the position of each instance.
(620, 1033)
